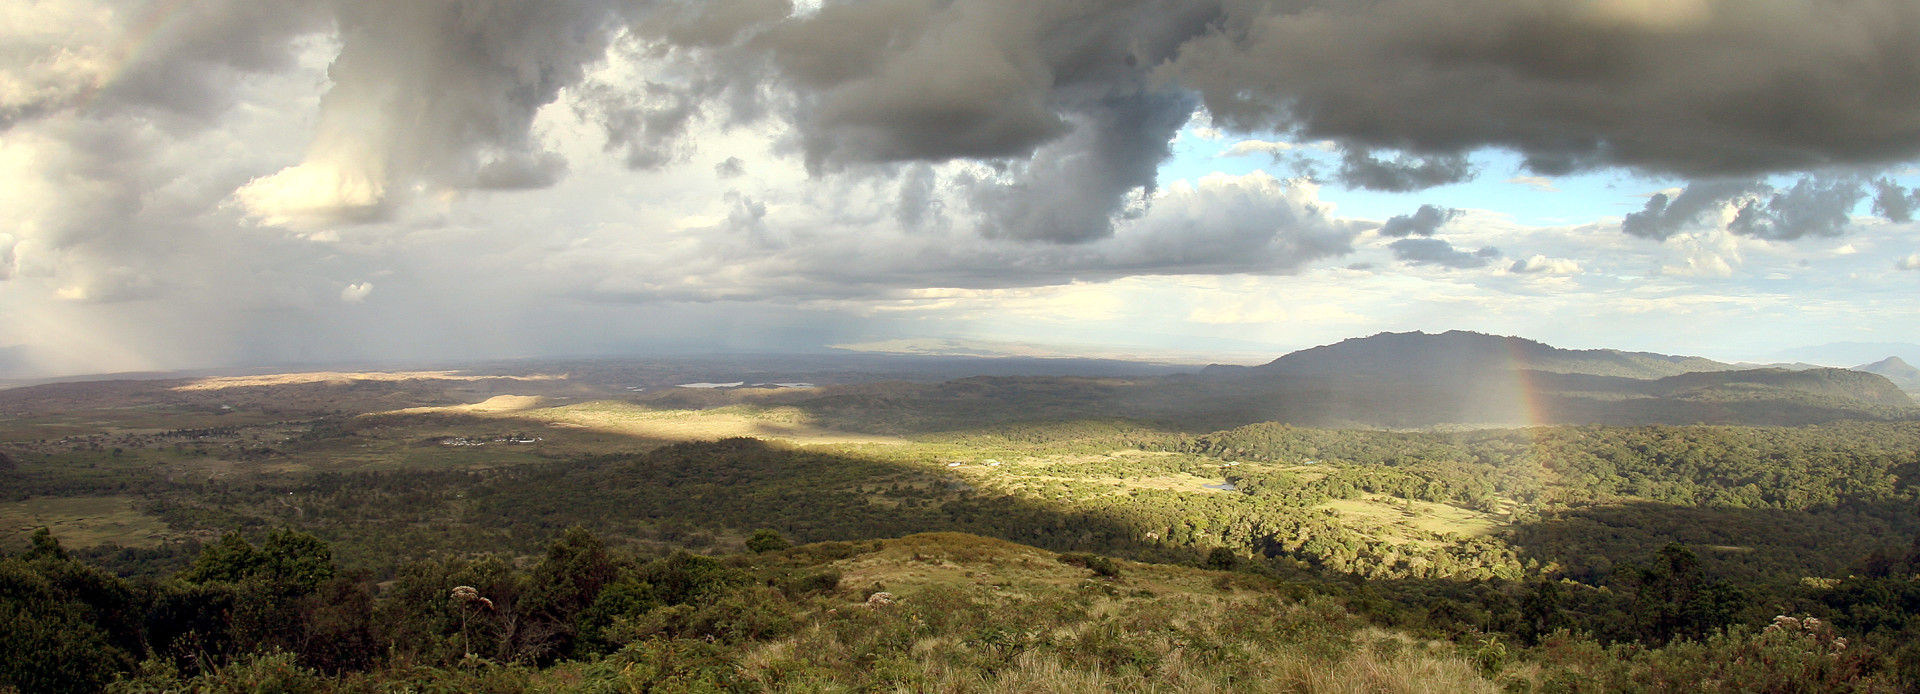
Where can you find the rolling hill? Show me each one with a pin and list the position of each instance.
(1896, 370)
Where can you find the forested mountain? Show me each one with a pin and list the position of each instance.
(1833, 383)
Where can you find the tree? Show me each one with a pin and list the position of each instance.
(1222, 559)
(563, 585)
(295, 561)
(766, 540)
(229, 560)
(1675, 599)
(45, 546)
(64, 627)
(1541, 609)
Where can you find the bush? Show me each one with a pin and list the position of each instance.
(1099, 565)
(765, 540)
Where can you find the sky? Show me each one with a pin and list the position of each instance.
(214, 183)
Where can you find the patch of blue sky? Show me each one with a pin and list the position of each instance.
(1501, 183)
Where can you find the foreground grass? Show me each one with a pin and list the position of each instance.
(962, 614)
(968, 614)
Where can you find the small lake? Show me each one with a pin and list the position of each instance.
(1224, 486)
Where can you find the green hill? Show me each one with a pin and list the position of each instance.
(1842, 384)
(1896, 370)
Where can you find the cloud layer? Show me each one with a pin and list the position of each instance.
(196, 176)
(1695, 88)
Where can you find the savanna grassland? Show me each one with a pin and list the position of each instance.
(302, 534)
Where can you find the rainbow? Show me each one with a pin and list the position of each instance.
(1533, 409)
(132, 44)
(1535, 414)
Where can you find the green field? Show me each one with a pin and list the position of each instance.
(83, 521)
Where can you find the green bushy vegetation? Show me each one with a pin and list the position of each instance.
(961, 614)
(1545, 559)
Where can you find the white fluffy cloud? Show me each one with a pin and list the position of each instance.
(356, 293)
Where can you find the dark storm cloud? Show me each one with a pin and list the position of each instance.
(182, 70)
(1666, 215)
(697, 50)
(1361, 169)
(1058, 93)
(1814, 206)
(1072, 190)
(1065, 106)
(646, 124)
(437, 95)
(1894, 202)
(918, 206)
(1698, 88)
(1441, 253)
(894, 80)
(1074, 100)
(1254, 224)
(1423, 222)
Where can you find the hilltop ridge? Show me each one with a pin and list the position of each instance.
(1896, 370)
(1425, 355)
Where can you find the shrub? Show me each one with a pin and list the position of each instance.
(765, 540)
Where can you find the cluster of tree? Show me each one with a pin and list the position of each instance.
(280, 615)
(74, 628)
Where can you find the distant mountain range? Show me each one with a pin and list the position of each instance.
(1449, 380)
(1419, 355)
(1840, 353)
(1460, 378)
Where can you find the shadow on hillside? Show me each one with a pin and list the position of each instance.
(743, 484)
(1188, 404)
(686, 493)
(1201, 404)
(1752, 543)
(703, 496)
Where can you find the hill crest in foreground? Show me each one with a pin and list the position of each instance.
(942, 611)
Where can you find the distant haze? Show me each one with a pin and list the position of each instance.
(1851, 354)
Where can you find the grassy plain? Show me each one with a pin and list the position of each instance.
(83, 521)
(1381, 511)
(639, 421)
